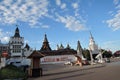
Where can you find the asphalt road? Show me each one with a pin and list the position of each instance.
(109, 71)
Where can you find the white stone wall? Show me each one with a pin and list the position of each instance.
(58, 59)
(16, 46)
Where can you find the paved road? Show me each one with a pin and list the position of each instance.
(110, 71)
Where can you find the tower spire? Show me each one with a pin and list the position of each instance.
(45, 38)
(17, 34)
(45, 46)
(68, 46)
(79, 50)
(91, 35)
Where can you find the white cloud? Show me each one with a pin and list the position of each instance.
(114, 23)
(115, 2)
(27, 41)
(34, 11)
(45, 26)
(29, 11)
(71, 23)
(63, 6)
(5, 39)
(75, 5)
(118, 6)
(4, 36)
(76, 8)
(58, 2)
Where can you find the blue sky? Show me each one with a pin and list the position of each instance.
(64, 21)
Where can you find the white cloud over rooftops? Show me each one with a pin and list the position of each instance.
(33, 12)
(22, 10)
(4, 36)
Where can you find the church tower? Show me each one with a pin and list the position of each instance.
(93, 47)
(45, 46)
(16, 44)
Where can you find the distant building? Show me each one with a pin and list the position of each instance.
(93, 46)
(27, 50)
(16, 44)
(4, 51)
(61, 55)
(4, 47)
(16, 47)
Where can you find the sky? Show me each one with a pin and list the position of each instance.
(64, 22)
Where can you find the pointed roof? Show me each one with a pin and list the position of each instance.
(45, 46)
(78, 45)
(58, 47)
(79, 50)
(17, 33)
(61, 46)
(45, 38)
(27, 46)
(68, 46)
(36, 54)
(91, 35)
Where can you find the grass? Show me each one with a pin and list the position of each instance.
(12, 72)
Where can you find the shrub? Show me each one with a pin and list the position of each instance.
(12, 72)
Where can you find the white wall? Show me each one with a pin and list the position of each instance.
(58, 59)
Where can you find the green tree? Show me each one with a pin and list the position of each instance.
(106, 54)
(86, 54)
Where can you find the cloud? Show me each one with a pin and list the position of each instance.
(60, 4)
(63, 6)
(42, 26)
(76, 8)
(75, 5)
(45, 26)
(71, 23)
(114, 23)
(4, 36)
(115, 2)
(34, 11)
(30, 11)
(27, 41)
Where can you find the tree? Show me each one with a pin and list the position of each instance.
(106, 54)
(86, 54)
